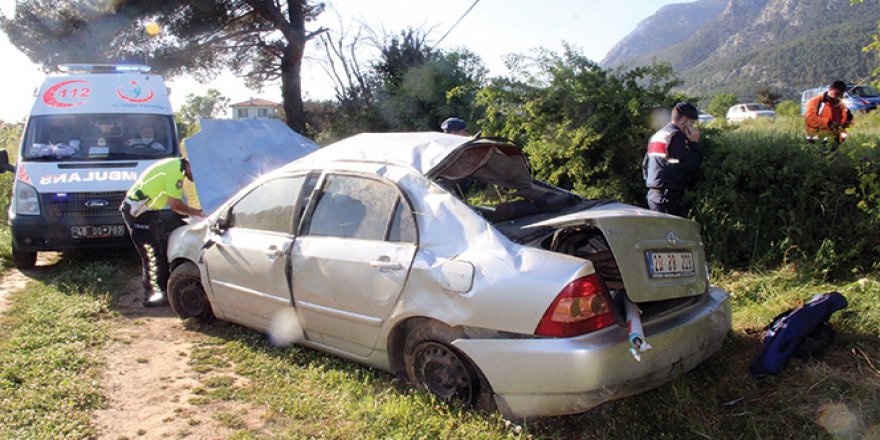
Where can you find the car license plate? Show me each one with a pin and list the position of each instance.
(670, 264)
(100, 231)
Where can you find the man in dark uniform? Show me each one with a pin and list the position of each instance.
(150, 224)
(672, 161)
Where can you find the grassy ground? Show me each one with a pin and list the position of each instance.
(48, 340)
(52, 332)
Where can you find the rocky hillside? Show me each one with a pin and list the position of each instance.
(741, 45)
(671, 25)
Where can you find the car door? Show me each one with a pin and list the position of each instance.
(247, 262)
(351, 260)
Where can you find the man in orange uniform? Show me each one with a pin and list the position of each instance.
(826, 115)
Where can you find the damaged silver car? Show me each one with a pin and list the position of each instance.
(440, 259)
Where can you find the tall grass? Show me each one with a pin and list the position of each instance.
(768, 198)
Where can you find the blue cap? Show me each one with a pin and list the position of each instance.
(452, 125)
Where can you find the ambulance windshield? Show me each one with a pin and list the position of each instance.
(90, 137)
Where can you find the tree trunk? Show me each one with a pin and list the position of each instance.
(291, 89)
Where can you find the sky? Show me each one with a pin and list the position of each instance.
(492, 29)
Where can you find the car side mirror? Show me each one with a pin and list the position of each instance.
(4, 162)
(221, 224)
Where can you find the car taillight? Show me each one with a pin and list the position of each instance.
(581, 307)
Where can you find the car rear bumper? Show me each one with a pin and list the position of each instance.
(545, 377)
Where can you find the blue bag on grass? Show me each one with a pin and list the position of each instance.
(790, 329)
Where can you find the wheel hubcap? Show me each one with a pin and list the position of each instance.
(443, 373)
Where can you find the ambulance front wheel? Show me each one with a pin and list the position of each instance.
(23, 260)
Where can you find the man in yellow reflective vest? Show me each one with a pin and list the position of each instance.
(150, 224)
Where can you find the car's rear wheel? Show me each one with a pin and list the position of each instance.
(22, 259)
(433, 364)
(186, 294)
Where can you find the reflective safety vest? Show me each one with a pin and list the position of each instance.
(157, 183)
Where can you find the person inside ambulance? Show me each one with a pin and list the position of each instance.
(102, 132)
(57, 141)
(146, 139)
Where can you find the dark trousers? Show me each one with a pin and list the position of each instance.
(666, 200)
(149, 232)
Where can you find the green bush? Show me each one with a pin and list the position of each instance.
(584, 128)
(788, 108)
(720, 103)
(10, 135)
(767, 198)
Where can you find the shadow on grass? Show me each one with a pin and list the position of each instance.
(109, 273)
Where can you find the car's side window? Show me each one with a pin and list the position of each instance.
(403, 226)
(356, 207)
(269, 207)
(307, 190)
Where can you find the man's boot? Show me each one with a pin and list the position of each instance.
(156, 299)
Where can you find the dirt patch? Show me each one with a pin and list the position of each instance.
(149, 384)
(151, 389)
(14, 280)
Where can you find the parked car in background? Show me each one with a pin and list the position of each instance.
(752, 110)
(866, 94)
(706, 118)
(439, 258)
(856, 99)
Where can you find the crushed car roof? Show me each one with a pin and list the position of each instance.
(423, 151)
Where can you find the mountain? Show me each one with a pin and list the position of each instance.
(671, 25)
(739, 46)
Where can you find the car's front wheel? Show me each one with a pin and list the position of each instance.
(186, 294)
(23, 260)
(433, 364)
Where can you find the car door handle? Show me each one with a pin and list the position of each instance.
(273, 251)
(386, 264)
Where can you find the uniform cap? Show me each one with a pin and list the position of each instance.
(686, 109)
(452, 125)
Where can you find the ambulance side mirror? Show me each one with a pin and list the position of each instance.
(4, 163)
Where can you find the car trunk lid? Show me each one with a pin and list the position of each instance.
(659, 256)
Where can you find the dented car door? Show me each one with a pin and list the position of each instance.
(351, 261)
(248, 258)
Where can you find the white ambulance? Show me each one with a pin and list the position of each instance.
(92, 130)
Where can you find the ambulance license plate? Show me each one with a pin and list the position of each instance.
(670, 264)
(100, 231)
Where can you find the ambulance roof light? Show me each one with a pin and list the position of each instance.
(104, 68)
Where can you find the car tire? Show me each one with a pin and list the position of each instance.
(432, 364)
(23, 260)
(187, 296)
